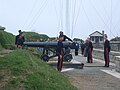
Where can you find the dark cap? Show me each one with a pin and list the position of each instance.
(61, 32)
(19, 31)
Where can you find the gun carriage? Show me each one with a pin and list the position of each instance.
(50, 49)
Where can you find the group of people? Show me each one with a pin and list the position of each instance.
(19, 39)
(87, 48)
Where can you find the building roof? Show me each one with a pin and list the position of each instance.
(96, 33)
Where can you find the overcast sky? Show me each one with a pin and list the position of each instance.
(49, 16)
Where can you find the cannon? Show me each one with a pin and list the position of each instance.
(50, 49)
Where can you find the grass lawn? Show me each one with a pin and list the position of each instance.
(20, 70)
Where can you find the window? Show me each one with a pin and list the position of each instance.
(92, 38)
(101, 38)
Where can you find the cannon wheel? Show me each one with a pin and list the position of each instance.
(67, 57)
(45, 58)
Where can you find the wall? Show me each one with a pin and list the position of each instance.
(114, 46)
(99, 54)
(117, 62)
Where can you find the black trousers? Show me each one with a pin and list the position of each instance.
(76, 52)
(106, 57)
(89, 56)
(82, 49)
(60, 62)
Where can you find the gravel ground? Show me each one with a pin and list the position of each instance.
(91, 77)
(93, 81)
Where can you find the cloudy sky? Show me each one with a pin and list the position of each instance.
(83, 17)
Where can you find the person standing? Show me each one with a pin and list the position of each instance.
(20, 40)
(106, 51)
(61, 34)
(90, 49)
(86, 48)
(82, 48)
(60, 53)
(16, 38)
(77, 48)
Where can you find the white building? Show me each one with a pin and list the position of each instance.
(96, 37)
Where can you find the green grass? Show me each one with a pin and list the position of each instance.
(33, 36)
(1, 46)
(20, 70)
(7, 40)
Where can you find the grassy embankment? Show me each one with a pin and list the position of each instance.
(7, 40)
(20, 70)
(33, 36)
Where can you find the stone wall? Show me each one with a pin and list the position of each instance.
(117, 63)
(99, 54)
(115, 46)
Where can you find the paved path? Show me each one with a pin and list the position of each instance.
(93, 76)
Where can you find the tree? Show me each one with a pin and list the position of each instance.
(77, 39)
(115, 39)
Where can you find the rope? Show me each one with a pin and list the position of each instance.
(33, 16)
(106, 14)
(98, 14)
(58, 18)
(37, 14)
(111, 20)
(73, 15)
(78, 13)
(30, 13)
(45, 4)
(87, 17)
(61, 14)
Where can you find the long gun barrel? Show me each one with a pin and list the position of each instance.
(50, 44)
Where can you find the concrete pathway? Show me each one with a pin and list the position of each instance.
(93, 76)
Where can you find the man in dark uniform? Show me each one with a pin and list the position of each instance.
(82, 48)
(60, 53)
(106, 51)
(86, 48)
(16, 38)
(64, 36)
(20, 40)
(89, 50)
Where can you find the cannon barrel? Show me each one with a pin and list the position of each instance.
(50, 44)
